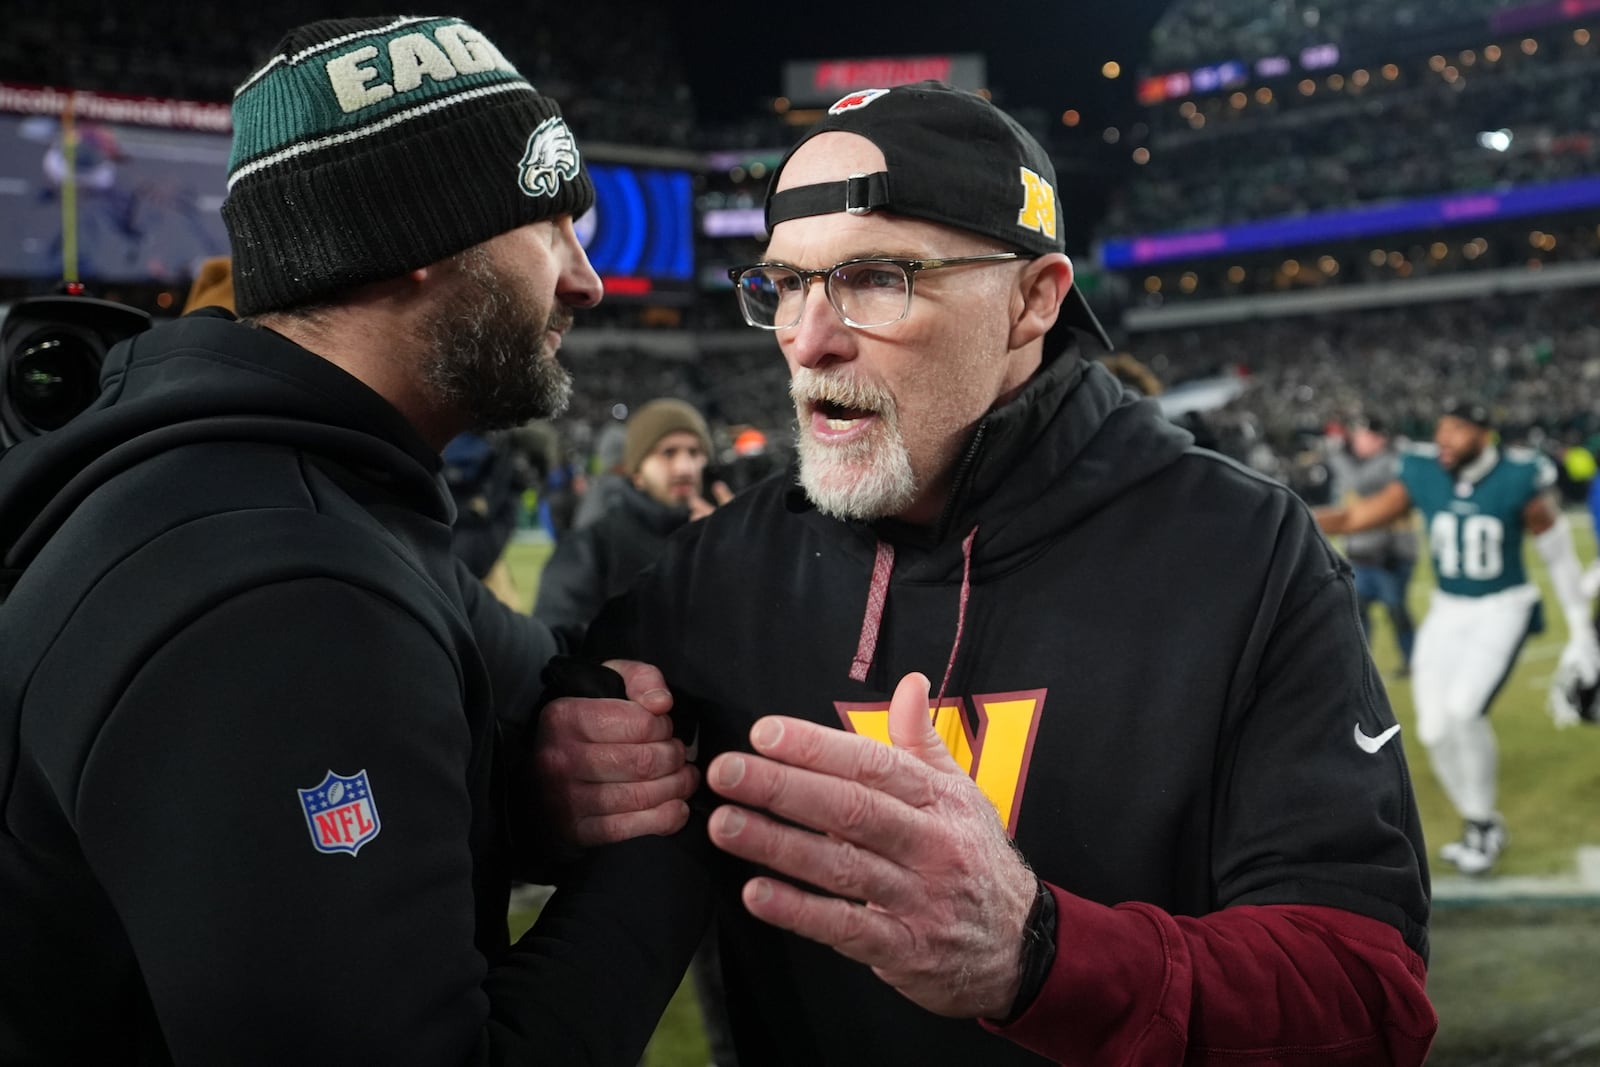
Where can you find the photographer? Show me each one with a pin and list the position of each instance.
(260, 777)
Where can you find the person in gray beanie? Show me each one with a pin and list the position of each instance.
(261, 757)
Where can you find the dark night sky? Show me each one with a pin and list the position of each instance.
(1039, 53)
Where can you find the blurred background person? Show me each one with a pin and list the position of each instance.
(665, 454)
(666, 449)
(1384, 558)
(609, 483)
(1479, 503)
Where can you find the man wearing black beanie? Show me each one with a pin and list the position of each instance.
(260, 794)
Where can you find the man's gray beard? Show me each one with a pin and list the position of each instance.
(483, 355)
(862, 481)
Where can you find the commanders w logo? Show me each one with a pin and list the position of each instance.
(552, 156)
(997, 759)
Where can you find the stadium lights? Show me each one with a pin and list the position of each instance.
(1495, 140)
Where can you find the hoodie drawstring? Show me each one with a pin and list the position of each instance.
(872, 621)
(878, 593)
(961, 613)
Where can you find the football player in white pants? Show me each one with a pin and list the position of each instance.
(1477, 501)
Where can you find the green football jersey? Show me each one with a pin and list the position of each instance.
(1475, 527)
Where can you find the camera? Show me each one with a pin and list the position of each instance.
(51, 348)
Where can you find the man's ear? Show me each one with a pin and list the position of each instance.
(1036, 302)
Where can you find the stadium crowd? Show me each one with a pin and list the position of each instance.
(624, 88)
(1450, 123)
(1533, 359)
(1202, 31)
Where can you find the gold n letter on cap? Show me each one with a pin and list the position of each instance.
(1038, 204)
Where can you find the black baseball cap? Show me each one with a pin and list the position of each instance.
(1468, 410)
(953, 158)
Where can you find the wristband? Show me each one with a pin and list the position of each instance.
(1038, 952)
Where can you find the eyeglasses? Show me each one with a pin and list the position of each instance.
(865, 292)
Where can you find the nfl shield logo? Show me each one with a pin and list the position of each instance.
(341, 813)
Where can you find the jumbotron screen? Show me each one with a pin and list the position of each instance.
(146, 203)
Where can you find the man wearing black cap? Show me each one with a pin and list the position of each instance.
(1131, 820)
(255, 806)
(1477, 500)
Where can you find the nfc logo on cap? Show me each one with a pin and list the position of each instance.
(1038, 204)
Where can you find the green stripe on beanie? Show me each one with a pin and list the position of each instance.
(365, 148)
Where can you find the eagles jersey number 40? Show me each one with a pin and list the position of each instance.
(1475, 527)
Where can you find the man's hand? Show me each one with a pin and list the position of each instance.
(935, 894)
(609, 770)
(1589, 581)
(1578, 669)
(700, 507)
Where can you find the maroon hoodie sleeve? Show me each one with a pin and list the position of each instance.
(1283, 985)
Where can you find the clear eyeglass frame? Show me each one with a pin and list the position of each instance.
(840, 282)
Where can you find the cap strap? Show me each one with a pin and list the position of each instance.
(857, 194)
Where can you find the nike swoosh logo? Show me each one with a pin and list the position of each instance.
(1369, 745)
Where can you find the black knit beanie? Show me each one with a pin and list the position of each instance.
(365, 148)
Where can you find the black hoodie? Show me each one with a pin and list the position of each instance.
(251, 808)
(1157, 674)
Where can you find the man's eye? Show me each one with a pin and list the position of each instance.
(869, 276)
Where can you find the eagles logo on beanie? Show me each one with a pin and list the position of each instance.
(366, 148)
